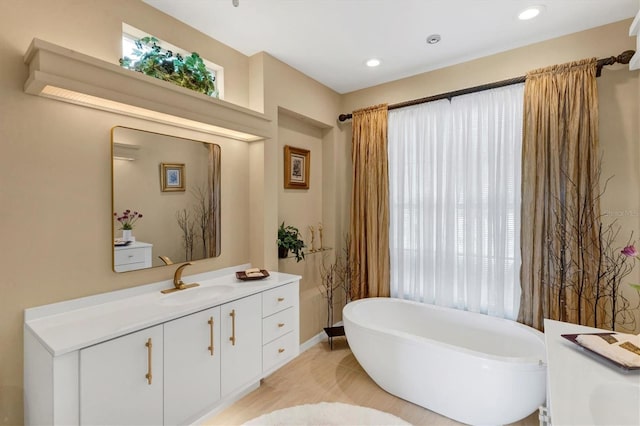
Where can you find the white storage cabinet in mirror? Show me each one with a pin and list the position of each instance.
(168, 190)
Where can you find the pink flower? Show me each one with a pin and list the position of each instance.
(127, 219)
(629, 251)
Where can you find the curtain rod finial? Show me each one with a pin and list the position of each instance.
(625, 57)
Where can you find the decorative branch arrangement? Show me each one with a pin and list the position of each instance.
(330, 282)
(586, 266)
(337, 275)
(617, 265)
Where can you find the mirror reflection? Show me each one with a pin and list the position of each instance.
(166, 199)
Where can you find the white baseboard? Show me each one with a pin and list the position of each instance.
(316, 339)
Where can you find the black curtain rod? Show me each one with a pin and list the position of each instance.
(622, 58)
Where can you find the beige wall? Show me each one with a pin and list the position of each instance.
(55, 205)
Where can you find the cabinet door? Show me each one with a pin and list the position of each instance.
(242, 355)
(121, 380)
(191, 366)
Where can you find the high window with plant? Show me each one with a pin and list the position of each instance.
(151, 56)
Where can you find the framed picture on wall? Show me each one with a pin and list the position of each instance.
(297, 162)
(172, 177)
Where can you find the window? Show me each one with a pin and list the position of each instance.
(454, 191)
(131, 34)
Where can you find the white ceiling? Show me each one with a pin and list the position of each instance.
(330, 40)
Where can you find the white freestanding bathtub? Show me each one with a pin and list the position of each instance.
(470, 367)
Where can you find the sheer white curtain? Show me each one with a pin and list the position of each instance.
(454, 195)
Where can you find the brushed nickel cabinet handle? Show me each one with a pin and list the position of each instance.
(210, 322)
(280, 299)
(233, 327)
(280, 350)
(280, 324)
(149, 375)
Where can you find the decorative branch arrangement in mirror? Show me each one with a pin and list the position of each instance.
(195, 224)
(179, 225)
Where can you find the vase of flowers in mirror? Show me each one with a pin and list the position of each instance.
(126, 220)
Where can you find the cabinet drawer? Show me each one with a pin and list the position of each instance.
(278, 351)
(130, 267)
(279, 298)
(277, 325)
(125, 257)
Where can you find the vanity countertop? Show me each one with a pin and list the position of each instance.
(585, 390)
(68, 326)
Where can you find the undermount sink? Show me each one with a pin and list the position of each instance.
(616, 403)
(193, 294)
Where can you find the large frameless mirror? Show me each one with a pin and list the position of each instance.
(166, 199)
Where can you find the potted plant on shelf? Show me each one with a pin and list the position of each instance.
(289, 240)
(190, 72)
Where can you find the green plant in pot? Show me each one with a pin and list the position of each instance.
(190, 72)
(289, 240)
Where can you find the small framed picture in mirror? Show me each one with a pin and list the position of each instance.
(172, 177)
(297, 163)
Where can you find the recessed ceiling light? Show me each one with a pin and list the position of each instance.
(373, 62)
(530, 13)
(433, 39)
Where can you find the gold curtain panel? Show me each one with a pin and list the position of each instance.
(370, 203)
(560, 207)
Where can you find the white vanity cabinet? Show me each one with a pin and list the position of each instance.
(191, 365)
(242, 342)
(121, 380)
(139, 357)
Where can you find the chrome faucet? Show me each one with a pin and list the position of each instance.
(178, 284)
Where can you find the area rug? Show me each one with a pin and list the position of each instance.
(326, 413)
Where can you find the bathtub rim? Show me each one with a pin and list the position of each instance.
(526, 361)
